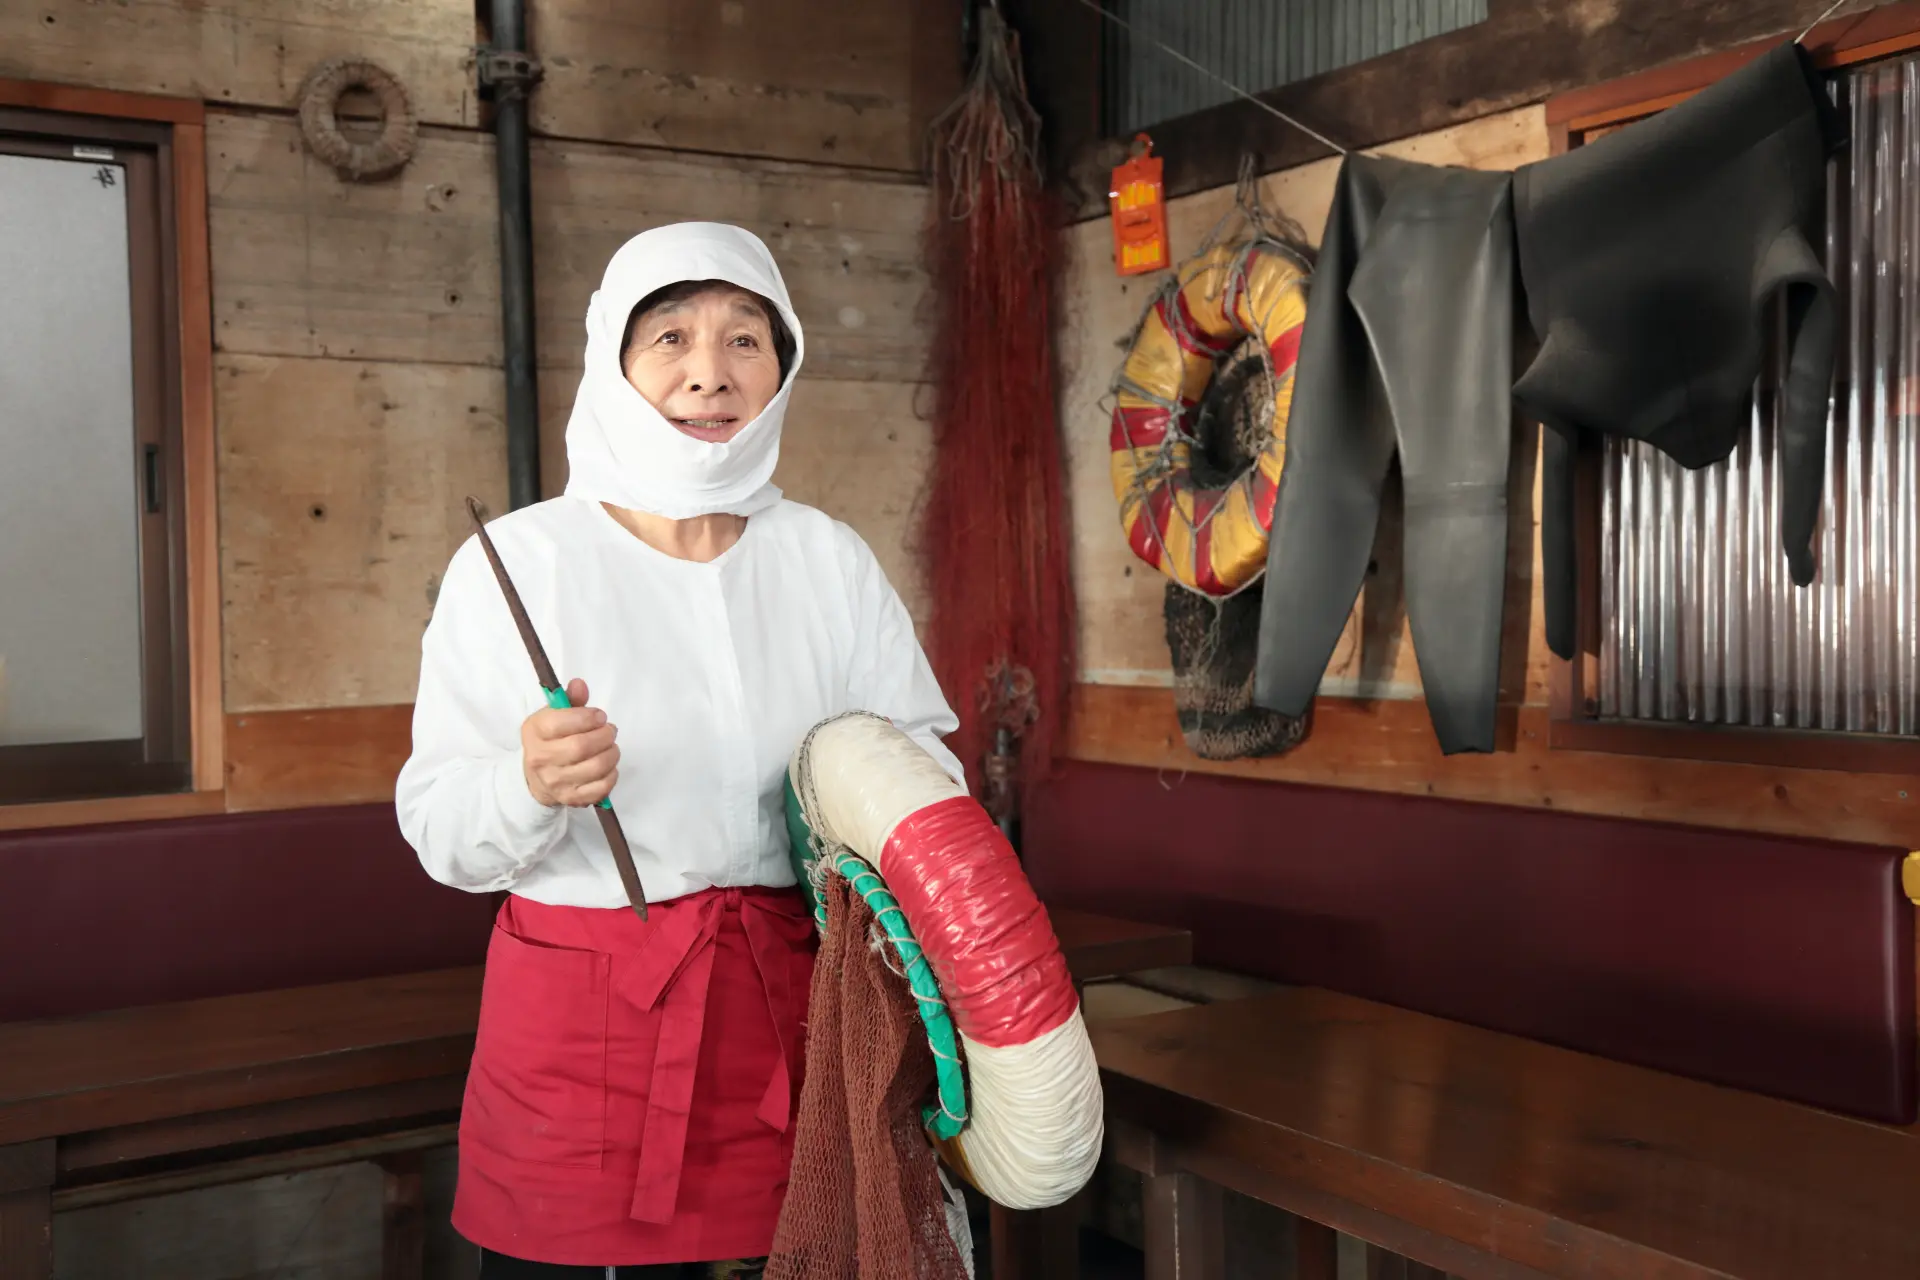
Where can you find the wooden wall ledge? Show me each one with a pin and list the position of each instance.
(1389, 746)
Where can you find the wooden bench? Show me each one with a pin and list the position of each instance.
(143, 1101)
(1486, 1156)
(138, 1102)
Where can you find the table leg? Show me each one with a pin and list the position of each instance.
(1383, 1265)
(1316, 1250)
(1185, 1227)
(1036, 1244)
(26, 1211)
(403, 1227)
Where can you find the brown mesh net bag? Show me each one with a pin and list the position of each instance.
(864, 1201)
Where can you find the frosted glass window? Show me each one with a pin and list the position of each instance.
(70, 643)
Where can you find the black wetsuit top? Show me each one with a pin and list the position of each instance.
(1649, 258)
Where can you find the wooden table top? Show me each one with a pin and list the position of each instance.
(1558, 1162)
(124, 1066)
(61, 1075)
(1103, 947)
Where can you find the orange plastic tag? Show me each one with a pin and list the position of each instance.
(1139, 207)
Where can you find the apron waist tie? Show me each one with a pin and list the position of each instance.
(673, 971)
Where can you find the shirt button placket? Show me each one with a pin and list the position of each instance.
(735, 739)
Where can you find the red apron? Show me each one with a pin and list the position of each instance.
(633, 1084)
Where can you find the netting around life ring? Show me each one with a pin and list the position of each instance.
(320, 120)
(1210, 539)
(1213, 641)
(813, 861)
(1034, 1127)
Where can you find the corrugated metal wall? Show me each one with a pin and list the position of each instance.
(1699, 619)
(1257, 44)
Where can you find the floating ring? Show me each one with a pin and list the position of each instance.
(1033, 1126)
(1210, 540)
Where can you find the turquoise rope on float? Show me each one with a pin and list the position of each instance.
(948, 1118)
(800, 853)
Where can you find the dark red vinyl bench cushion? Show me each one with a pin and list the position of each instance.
(1783, 966)
(143, 913)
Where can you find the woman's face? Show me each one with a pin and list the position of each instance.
(706, 362)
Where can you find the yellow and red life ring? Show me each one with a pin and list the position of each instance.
(1211, 540)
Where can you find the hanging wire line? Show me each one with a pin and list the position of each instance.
(1831, 10)
(1178, 56)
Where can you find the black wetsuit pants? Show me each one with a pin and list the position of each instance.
(1408, 349)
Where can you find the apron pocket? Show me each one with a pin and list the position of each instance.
(538, 1087)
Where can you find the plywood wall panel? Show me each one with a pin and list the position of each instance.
(407, 269)
(243, 52)
(848, 245)
(817, 80)
(1121, 635)
(860, 452)
(341, 500)
(306, 264)
(857, 450)
(326, 610)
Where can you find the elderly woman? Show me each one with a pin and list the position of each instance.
(633, 1086)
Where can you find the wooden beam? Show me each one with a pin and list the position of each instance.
(1875, 33)
(1389, 746)
(1524, 52)
(89, 813)
(199, 454)
(75, 100)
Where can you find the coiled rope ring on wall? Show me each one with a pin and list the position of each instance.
(320, 98)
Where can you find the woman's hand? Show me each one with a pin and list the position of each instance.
(569, 757)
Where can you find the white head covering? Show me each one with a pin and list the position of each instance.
(619, 448)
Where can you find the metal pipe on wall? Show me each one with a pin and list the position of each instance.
(511, 73)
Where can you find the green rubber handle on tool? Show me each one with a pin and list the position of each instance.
(559, 701)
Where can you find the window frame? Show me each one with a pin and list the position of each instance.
(178, 767)
(1573, 723)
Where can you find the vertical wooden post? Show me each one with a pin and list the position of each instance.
(403, 1227)
(26, 1210)
(1185, 1227)
(1316, 1250)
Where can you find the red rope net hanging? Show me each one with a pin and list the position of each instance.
(995, 527)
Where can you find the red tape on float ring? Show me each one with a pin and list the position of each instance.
(977, 919)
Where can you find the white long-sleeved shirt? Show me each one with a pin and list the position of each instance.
(711, 672)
